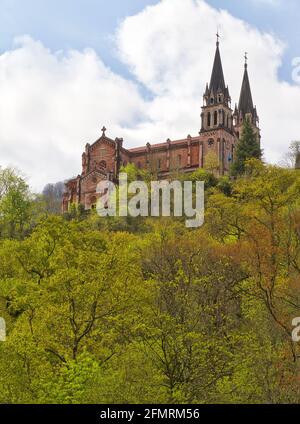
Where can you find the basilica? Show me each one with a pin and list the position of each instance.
(219, 134)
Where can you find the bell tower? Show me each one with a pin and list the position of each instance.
(245, 109)
(217, 130)
(216, 110)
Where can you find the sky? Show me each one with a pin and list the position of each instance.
(139, 67)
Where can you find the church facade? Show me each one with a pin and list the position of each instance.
(219, 134)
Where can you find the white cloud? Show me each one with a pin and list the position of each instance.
(51, 104)
(173, 56)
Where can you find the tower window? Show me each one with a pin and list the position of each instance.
(211, 100)
(216, 118)
(208, 119)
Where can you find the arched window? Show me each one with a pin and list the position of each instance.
(208, 119)
(216, 118)
(211, 100)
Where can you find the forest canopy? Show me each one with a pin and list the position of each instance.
(144, 310)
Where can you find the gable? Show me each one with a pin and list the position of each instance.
(103, 151)
(89, 182)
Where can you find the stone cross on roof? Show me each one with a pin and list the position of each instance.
(103, 131)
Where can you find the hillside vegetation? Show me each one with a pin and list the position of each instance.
(144, 310)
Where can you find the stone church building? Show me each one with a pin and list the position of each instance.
(219, 133)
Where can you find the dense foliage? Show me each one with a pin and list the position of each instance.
(247, 148)
(127, 310)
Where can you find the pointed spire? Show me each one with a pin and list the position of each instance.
(246, 102)
(246, 59)
(217, 81)
(218, 38)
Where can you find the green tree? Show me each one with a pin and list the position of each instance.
(15, 203)
(211, 162)
(247, 148)
(99, 313)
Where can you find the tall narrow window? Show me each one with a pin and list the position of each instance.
(208, 119)
(216, 118)
(179, 160)
(159, 163)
